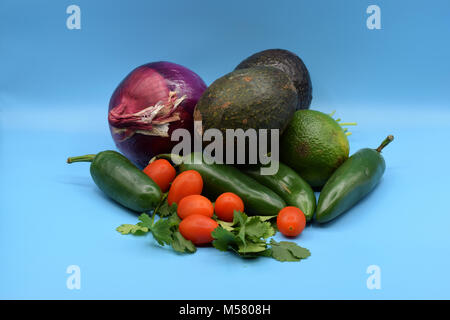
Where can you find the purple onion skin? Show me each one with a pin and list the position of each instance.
(143, 87)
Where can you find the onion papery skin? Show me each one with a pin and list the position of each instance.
(148, 105)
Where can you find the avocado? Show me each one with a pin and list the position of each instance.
(289, 63)
(256, 98)
(314, 145)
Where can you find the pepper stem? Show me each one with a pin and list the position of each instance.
(86, 158)
(385, 142)
(164, 197)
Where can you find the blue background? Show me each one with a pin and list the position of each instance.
(55, 86)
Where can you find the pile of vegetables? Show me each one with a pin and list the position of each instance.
(189, 202)
(187, 219)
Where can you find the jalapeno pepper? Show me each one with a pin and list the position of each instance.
(220, 178)
(289, 186)
(352, 181)
(121, 180)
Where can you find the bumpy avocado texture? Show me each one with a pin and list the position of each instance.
(289, 63)
(252, 98)
(314, 145)
(258, 98)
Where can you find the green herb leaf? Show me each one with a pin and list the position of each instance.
(239, 219)
(265, 218)
(174, 220)
(288, 251)
(146, 221)
(133, 229)
(257, 229)
(226, 225)
(180, 244)
(162, 232)
(252, 247)
(165, 210)
(223, 238)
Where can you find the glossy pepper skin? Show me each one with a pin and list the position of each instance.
(351, 182)
(221, 178)
(121, 180)
(289, 186)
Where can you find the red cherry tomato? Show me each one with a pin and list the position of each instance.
(195, 204)
(162, 172)
(186, 183)
(291, 221)
(225, 205)
(198, 228)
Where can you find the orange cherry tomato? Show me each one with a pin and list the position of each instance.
(225, 205)
(198, 228)
(162, 172)
(291, 221)
(186, 183)
(195, 204)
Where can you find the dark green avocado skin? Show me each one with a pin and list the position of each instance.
(291, 64)
(258, 98)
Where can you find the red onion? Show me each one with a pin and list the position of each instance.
(148, 105)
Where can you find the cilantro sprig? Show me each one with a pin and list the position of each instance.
(164, 230)
(247, 236)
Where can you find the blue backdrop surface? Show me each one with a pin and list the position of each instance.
(55, 84)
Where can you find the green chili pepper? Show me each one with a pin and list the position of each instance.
(121, 180)
(289, 186)
(353, 180)
(220, 178)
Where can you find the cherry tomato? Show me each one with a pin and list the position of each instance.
(162, 172)
(198, 228)
(195, 204)
(291, 221)
(225, 205)
(186, 183)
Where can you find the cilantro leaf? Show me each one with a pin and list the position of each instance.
(230, 226)
(165, 210)
(245, 235)
(174, 220)
(257, 229)
(146, 221)
(239, 218)
(265, 218)
(162, 232)
(180, 244)
(252, 247)
(161, 229)
(133, 229)
(288, 251)
(226, 225)
(223, 238)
